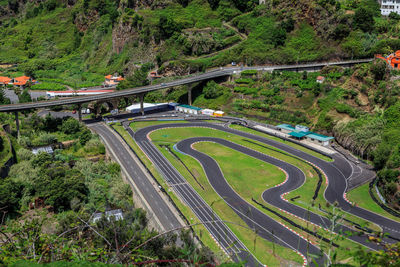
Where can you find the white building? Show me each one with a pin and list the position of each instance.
(70, 93)
(117, 214)
(188, 109)
(208, 112)
(389, 6)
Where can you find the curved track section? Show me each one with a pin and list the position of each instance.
(262, 224)
(337, 172)
(273, 196)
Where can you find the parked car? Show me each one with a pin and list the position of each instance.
(74, 111)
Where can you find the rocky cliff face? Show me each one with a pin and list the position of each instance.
(121, 35)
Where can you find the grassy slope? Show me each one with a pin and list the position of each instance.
(361, 197)
(142, 124)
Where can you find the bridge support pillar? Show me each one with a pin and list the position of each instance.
(80, 112)
(17, 122)
(141, 96)
(190, 95)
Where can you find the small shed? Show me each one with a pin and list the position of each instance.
(285, 128)
(298, 135)
(45, 149)
(208, 112)
(188, 109)
(117, 214)
(320, 79)
(319, 139)
(219, 113)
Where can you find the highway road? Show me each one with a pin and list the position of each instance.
(221, 72)
(137, 176)
(337, 172)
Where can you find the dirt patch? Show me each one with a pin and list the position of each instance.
(363, 99)
(195, 173)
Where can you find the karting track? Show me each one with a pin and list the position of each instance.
(336, 172)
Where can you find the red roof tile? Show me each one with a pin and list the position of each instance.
(5, 80)
(22, 78)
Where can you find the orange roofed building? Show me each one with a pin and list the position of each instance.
(4, 80)
(393, 59)
(22, 81)
(111, 80)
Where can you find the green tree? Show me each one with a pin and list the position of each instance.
(3, 98)
(341, 32)
(394, 16)
(381, 155)
(139, 78)
(85, 136)
(364, 19)
(212, 90)
(379, 70)
(59, 185)
(70, 126)
(167, 27)
(10, 193)
(353, 46)
(25, 97)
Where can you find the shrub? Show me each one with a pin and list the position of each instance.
(379, 70)
(70, 126)
(48, 86)
(212, 90)
(364, 19)
(24, 154)
(248, 73)
(45, 139)
(343, 108)
(244, 81)
(246, 90)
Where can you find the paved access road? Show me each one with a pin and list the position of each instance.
(136, 175)
(336, 172)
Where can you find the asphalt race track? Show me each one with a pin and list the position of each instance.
(337, 172)
(296, 178)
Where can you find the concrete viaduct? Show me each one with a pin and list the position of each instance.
(141, 91)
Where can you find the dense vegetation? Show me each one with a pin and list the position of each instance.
(77, 42)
